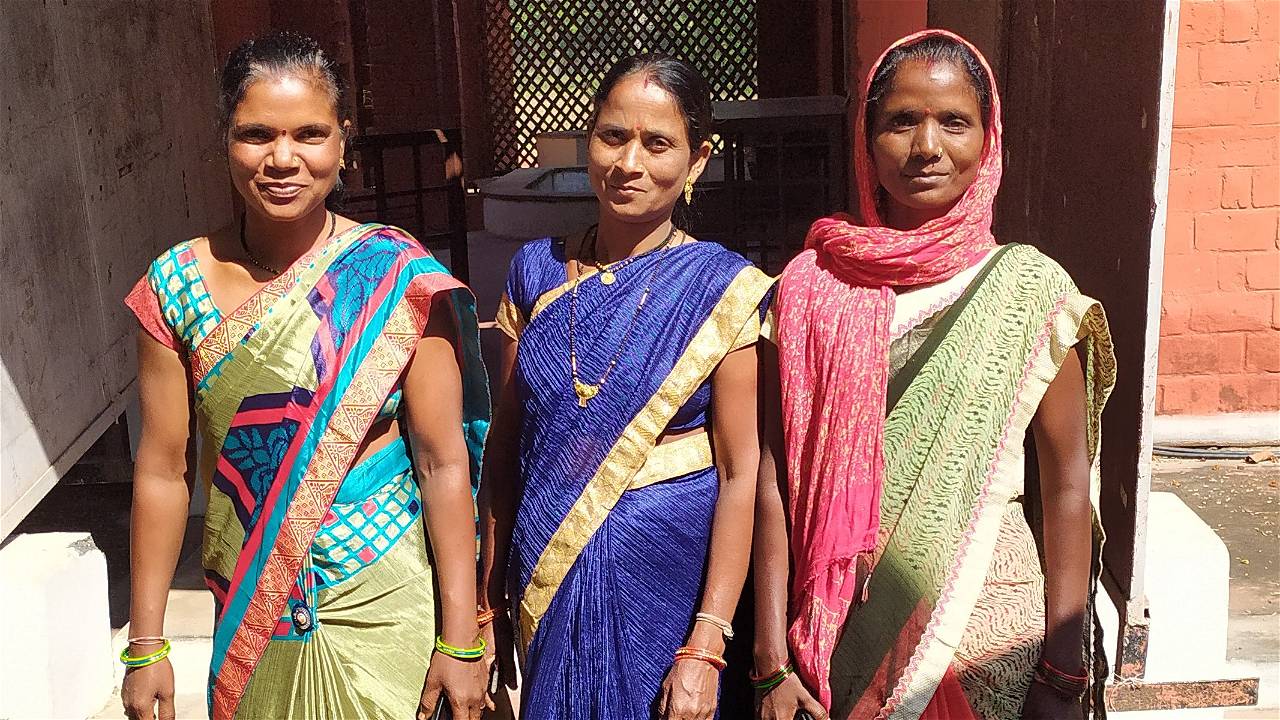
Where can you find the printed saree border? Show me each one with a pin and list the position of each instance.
(614, 476)
(1074, 317)
(227, 334)
(335, 451)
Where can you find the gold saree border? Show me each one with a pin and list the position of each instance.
(1074, 317)
(671, 460)
(710, 344)
(509, 320)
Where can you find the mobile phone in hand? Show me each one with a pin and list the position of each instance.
(442, 711)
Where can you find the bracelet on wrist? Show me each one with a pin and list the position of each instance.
(148, 640)
(1069, 686)
(460, 653)
(725, 627)
(773, 679)
(693, 653)
(486, 616)
(140, 661)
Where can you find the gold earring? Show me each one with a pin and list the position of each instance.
(688, 191)
(342, 163)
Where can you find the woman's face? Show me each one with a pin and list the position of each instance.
(926, 140)
(284, 147)
(639, 154)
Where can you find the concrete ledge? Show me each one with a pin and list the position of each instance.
(57, 630)
(1226, 430)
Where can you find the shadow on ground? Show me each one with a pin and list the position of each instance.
(102, 510)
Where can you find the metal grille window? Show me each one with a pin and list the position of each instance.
(544, 58)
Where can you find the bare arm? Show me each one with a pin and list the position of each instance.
(691, 686)
(1062, 448)
(160, 490)
(771, 555)
(499, 497)
(1059, 427)
(433, 396)
(501, 486)
(158, 520)
(770, 552)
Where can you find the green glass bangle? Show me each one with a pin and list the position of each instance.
(130, 661)
(473, 653)
(770, 682)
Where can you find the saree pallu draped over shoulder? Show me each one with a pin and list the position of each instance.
(319, 569)
(955, 604)
(611, 537)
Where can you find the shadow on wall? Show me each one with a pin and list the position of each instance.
(110, 155)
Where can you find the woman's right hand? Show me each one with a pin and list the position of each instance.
(787, 699)
(144, 687)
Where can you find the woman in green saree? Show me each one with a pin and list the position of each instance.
(904, 568)
(333, 374)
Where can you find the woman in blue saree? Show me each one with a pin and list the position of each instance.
(616, 523)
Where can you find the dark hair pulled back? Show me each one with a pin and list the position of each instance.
(935, 48)
(284, 53)
(680, 79)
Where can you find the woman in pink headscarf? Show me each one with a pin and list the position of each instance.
(905, 566)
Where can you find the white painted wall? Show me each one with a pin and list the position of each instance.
(108, 154)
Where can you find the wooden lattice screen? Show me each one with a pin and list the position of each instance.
(544, 58)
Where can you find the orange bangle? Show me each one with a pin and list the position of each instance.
(693, 653)
(486, 616)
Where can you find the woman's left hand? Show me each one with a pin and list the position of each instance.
(1043, 702)
(461, 682)
(690, 691)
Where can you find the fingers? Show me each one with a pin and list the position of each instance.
(814, 708)
(139, 711)
(427, 706)
(462, 710)
(167, 710)
(662, 699)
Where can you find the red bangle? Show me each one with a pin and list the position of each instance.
(1048, 666)
(693, 653)
(484, 617)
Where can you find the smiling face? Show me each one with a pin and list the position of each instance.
(639, 154)
(284, 147)
(926, 141)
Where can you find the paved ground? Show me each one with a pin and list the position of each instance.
(1241, 502)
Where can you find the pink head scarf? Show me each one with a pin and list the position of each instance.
(834, 308)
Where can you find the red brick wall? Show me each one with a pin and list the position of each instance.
(1220, 320)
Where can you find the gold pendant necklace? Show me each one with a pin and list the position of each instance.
(584, 390)
(609, 271)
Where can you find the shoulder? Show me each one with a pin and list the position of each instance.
(1032, 266)
(715, 261)
(536, 253)
(179, 260)
(380, 237)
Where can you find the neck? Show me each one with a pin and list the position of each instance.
(901, 217)
(279, 244)
(616, 240)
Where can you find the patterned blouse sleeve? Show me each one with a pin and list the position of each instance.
(144, 304)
